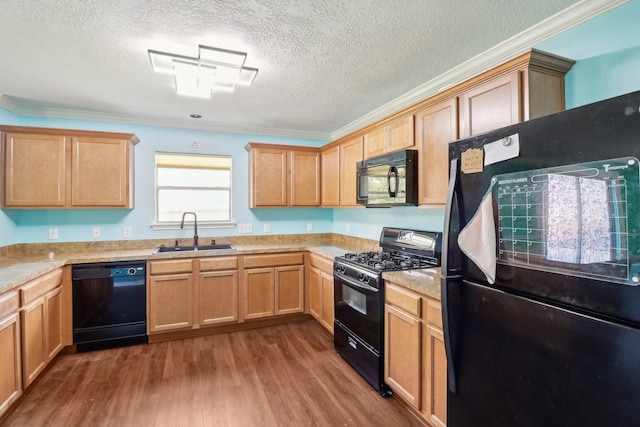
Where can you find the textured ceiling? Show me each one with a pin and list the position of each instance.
(323, 64)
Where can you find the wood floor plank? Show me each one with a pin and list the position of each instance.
(285, 375)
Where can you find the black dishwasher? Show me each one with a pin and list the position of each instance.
(109, 304)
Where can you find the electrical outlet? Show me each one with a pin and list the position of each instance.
(53, 233)
(309, 226)
(376, 230)
(96, 232)
(346, 228)
(267, 227)
(245, 228)
(126, 232)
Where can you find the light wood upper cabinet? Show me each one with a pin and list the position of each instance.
(350, 154)
(436, 126)
(102, 168)
(339, 173)
(283, 176)
(305, 178)
(492, 105)
(394, 136)
(331, 183)
(62, 168)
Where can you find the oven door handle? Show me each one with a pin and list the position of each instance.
(353, 284)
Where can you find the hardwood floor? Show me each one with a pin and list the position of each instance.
(287, 375)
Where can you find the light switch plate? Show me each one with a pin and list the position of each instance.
(96, 232)
(309, 226)
(53, 233)
(267, 227)
(126, 231)
(245, 228)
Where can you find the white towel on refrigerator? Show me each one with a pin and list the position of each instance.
(478, 239)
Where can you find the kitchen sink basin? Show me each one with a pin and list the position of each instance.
(199, 248)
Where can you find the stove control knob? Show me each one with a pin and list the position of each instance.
(339, 268)
(361, 277)
(366, 279)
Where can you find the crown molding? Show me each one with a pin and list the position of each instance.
(15, 106)
(510, 48)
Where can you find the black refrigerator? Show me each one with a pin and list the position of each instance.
(540, 271)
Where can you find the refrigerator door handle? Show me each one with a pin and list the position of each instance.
(448, 277)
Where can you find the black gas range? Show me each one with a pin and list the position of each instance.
(359, 296)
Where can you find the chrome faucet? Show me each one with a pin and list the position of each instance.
(195, 225)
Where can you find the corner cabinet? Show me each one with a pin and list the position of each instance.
(320, 290)
(61, 168)
(283, 176)
(415, 363)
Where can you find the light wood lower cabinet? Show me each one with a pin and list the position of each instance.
(192, 293)
(41, 323)
(320, 288)
(273, 284)
(10, 363)
(415, 361)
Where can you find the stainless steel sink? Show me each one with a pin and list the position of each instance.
(199, 248)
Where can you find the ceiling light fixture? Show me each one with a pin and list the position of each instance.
(214, 70)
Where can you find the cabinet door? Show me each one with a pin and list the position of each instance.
(491, 105)
(436, 126)
(34, 351)
(259, 293)
(289, 289)
(305, 178)
(268, 177)
(315, 292)
(101, 172)
(218, 297)
(327, 301)
(401, 134)
(53, 308)
(170, 302)
(331, 178)
(435, 377)
(35, 170)
(375, 142)
(350, 154)
(403, 354)
(10, 375)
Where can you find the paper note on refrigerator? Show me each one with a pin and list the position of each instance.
(501, 150)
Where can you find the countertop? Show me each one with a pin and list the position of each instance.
(425, 281)
(17, 270)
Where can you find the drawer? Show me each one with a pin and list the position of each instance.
(404, 299)
(8, 303)
(40, 286)
(323, 263)
(273, 260)
(434, 312)
(170, 267)
(219, 263)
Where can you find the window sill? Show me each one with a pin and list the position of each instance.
(201, 225)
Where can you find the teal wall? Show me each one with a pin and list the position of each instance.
(607, 54)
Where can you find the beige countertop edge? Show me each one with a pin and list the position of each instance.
(15, 271)
(424, 281)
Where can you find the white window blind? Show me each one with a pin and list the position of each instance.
(199, 183)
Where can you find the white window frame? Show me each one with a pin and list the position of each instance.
(201, 223)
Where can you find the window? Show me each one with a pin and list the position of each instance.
(197, 183)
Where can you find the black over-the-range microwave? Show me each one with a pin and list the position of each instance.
(388, 180)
